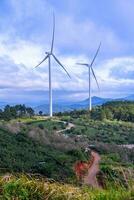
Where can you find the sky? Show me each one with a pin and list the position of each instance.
(26, 34)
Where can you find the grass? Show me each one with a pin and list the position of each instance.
(49, 124)
(39, 121)
(28, 119)
(103, 131)
(24, 187)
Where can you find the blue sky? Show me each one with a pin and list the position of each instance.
(25, 36)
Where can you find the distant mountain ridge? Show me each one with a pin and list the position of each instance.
(62, 107)
(69, 106)
(129, 98)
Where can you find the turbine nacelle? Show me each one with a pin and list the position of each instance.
(48, 53)
(85, 64)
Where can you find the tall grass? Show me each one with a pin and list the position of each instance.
(27, 188)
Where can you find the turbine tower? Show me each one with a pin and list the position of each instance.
(48, 56)
(90, 70)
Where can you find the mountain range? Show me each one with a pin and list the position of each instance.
(61, 107)
(68, 106)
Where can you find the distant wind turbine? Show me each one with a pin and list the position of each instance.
(48, 56)
(90, 70)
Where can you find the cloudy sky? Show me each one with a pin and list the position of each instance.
(25, 36)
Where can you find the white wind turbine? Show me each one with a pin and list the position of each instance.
(48, 56)
(90, 70)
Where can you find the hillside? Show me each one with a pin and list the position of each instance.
(47, 147)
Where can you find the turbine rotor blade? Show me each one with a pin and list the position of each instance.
(96, 54)
(61, 65)
(52, 44)
(95, 77)
(42, 61)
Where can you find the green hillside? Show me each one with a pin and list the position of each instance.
(48, 148)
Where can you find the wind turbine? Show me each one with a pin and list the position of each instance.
(48, 56)
(90, 70)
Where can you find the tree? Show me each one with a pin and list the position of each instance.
(40, 113)
(7, 113)
(108, 114)
(12, 112)
(30, 111)
(102, 115)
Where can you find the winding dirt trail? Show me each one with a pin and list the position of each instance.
(91, 177)
(68, 127)
(86, 172)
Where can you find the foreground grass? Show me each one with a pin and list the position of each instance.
(27, 188)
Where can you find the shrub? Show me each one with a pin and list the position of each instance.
(41, 126)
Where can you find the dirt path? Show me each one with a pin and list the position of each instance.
(90, 178)
(69, 126)
(128, 146)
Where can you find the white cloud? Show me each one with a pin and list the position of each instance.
(24, 44)
(18, 60)
(31, 21)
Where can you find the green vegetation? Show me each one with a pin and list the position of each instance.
(27, 188)
(13, 112)
(116, 110)
(19, 153)
(103, 131)
(110, 123)
(35, 145)
(48, 124)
